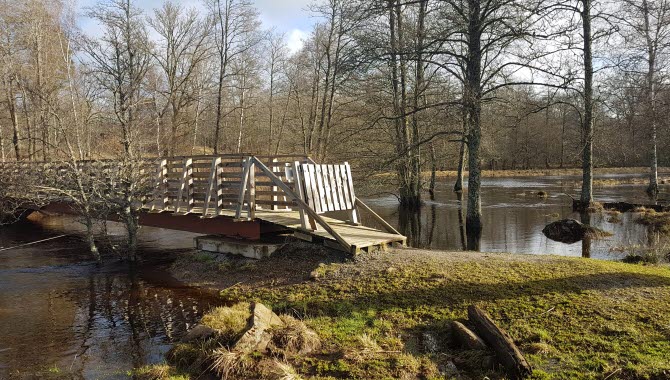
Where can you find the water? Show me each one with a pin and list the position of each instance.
(514, 216)
(59, 312)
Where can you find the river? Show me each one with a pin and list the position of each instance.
(61, 313)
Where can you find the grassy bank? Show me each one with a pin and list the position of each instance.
(387, 316)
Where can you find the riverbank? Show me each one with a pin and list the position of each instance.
(388, 315)
(554, 172)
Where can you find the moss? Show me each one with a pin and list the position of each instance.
(229, 322)
(204, 257)
(158, 372)
(575, 318)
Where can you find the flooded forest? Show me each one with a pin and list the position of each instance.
(511, 156)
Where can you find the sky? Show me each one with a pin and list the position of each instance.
(285, 16)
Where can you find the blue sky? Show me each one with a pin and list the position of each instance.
(286, 16)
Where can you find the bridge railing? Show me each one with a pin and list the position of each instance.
(238, 185)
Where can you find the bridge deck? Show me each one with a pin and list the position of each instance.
(359, 237)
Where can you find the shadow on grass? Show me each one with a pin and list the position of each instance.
(340, 301)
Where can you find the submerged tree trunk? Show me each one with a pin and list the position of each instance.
(587, 122)
(652, 45)
(410, 197)
(90, 238)
(473, 107)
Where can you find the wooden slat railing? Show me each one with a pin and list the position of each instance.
(241, 185)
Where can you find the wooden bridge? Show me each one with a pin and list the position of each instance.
(247, 197)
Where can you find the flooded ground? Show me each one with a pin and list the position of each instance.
(514, 217)
(61, 313)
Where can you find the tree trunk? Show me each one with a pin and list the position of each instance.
(224, 19)
(433, 172)
(473, 106)
(90, 238)
(3, 158)
(587, 122)
(458, 187)
(652, 189)
(219, 100)
(15, 124)
(408, 177)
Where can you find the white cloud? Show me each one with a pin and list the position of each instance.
(295, 40)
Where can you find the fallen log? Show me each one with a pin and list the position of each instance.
(507, 353)
(466, 337)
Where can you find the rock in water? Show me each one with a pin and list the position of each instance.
(567, 231)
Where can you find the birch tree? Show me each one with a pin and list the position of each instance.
(646, 30)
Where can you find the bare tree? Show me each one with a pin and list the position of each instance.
(236, 26)
(119, 63)
(646, 30)
(479, 39)
(182, 49)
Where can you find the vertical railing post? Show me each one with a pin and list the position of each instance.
(186, 187)
(190, 198)
(353, 213)
(252, 189)
(212, 187)
(300, 190)
(219, 188)
(246, 164)
(275, 198)
(162, 196)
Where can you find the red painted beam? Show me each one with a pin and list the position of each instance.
(222, 225)
(208, 226)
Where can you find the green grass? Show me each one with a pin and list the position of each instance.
(158, 372)
(573, 318)
(229, 322)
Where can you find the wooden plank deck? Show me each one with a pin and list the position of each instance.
(360, 237)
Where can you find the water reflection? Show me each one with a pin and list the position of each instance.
(59, 310)
(514, 216)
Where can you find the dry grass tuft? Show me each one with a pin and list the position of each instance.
(366, 347)
(229, 322)
(539, 348)
(368, 343)
(284, 371)
(295, 337)
(596, 233)
(226, 363)
(158, 372)
(656, 221)
(595, 207)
